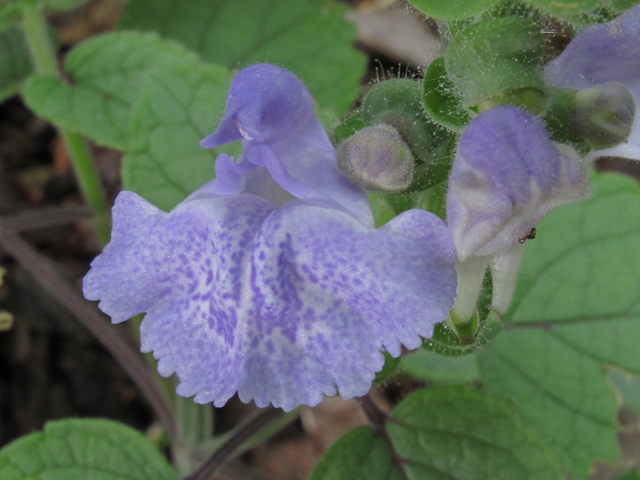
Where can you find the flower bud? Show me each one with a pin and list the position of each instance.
(377, 158)
(507, 175)
(604, 115)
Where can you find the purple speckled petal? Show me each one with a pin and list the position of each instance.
(186, 269)
(281, 305)
(609, 52)
(507, 175)
(272, 111)
(329, 294)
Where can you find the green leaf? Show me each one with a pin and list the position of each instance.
(576, 309)
(441, 101)
(432, 367)
(175, 109)
(107, 72)
(311, 38)
(452, 9)
(15, 62)
(440, 433)
(627, 386)
(495, 56)
(462, 432)
(358, 455)
(81, 449)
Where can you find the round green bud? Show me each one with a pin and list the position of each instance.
(377, 158)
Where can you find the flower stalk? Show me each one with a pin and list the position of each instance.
(35, 30)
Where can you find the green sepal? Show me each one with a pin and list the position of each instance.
(445, 339)
(496, 56)
(533, 100)
(441, 99)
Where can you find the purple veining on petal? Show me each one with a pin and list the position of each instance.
(186, 269)
(273, 112)
(507, 175)
(329, 292)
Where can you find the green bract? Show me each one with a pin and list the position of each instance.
(494, 57)
(441, 99)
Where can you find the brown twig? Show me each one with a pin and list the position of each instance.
(220, 456)
(94, 321)
(41, 218)
(379, 419)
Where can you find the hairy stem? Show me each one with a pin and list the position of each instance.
(35, 30)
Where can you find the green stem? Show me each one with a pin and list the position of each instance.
(195, 424)
(87, 176)
(35, 29)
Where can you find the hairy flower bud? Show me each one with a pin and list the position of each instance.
(604, 114)
(507, 175)
(377, 158)
(598, 55)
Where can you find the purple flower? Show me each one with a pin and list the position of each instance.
(270, 280)
(600, 54)
(506, 176)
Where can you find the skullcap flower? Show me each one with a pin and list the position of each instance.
(601, 54)
(506, 176)
(270, 280)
